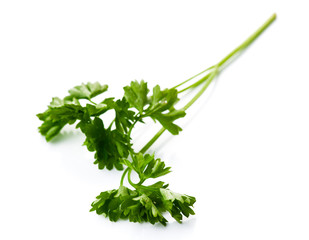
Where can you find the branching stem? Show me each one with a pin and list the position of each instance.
(215, 70)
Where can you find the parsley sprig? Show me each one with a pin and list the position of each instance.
(112, 143)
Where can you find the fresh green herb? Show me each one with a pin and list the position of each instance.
(112, 144)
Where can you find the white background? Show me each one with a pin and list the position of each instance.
(244, 149)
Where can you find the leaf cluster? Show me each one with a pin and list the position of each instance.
(113, 143)
(146, 166)
(67, 110)
(159, 106)
(113, 148)
(143, 206)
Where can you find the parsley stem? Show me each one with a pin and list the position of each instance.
(139, 184)
(152, 140)
(92, 101)
(196, 83)
(161, 131)
(193, 77)
(203, 89)
(123, 175)
(248, 41)
(132, 126)
(237, 50)
(111, 124)
(129, 178)
(209, 77)
(131, 154)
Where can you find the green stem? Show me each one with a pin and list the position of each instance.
(138, 185)
(141, 181)
(162, 130)
(196, 84)
(154, 138)
(203, 89)
(111, 124)
(216, 70)
(193, 77)
(92, 101)
(129, 178)
(132, 126)
(123, 175)
(248, 41)
(130, 152)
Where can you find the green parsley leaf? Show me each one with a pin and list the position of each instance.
(123, 116)
(58, 114)
(87, 91)
(96, 110)
(162, 100)
(156, 105)
(167, 120)
(143, 206)
(109, 203)
(147, 166)
(177, 204)
(109, 145)
(136, 95)
(127, 204)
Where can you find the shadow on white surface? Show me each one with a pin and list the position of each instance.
(66, 136)
(130, 230)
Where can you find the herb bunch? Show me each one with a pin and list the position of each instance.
(112, 143)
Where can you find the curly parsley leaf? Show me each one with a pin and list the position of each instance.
(67, 110)
(123, 116)
(109, 145)
(143, 206)
(159, 106)
(162, 101)
(124, 203)
(87, 91)
(59, 113)
(177, 204)
(136, 95)
(109, 203)
(167, 120)
(146, 166)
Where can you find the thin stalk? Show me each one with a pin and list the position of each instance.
(249, 40)
(92, 101)
(162, 130)
(129, 178)
(111, 124)
(132, 126)
(203, 89)
(192, 77)
(154, 138)
(196, 84)
(123, 175)
(139, 184)
(238, 50)
(130, 152)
